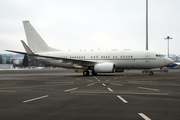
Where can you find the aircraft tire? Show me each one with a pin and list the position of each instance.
(86, 73)
(151, 73)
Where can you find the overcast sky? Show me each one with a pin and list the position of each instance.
(92, 24)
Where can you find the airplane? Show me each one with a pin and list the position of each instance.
(94, 61)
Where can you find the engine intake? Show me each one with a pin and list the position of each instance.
(104, 68)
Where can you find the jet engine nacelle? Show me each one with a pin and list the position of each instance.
(104, 68)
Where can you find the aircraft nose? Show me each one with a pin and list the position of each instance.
(169, 61)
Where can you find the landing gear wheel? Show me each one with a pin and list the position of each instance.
(86, 73)
(151, 73)
(93, 73)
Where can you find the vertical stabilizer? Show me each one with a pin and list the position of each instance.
(35, 42)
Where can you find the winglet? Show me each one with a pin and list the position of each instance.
(28, 50)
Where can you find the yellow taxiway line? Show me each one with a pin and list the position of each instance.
(8, 91)
(125, 93)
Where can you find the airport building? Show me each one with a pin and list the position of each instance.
(5, 62)
(174, 57)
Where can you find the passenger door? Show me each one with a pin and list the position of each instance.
(147, 56)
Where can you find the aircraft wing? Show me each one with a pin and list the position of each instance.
(83, 63)
(66, 60)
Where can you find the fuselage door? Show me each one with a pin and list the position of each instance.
(147, 56)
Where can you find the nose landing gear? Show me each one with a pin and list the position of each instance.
(151, 73)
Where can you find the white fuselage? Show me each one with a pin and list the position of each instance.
(126, 59)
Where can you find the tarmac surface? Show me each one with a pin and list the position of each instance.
(51, 94)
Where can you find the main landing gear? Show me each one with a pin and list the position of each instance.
(93, 73)
(86, 73)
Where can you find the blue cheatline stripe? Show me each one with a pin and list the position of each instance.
(120, 59)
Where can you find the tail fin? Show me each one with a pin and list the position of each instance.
(35, 42)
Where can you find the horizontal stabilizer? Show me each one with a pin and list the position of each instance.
(16, 52)
(28, 50)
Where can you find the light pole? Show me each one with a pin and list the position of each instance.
(168, 44)
(146, 24)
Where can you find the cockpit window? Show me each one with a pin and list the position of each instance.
(160, 56)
